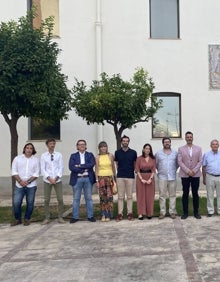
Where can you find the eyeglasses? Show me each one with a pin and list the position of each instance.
(51, 158)
(81, 144)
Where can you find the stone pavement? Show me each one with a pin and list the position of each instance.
(150, 250)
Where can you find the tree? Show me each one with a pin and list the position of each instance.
(31, 82)
(115, 101)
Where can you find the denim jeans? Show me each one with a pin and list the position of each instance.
(85, 185)
(19, 194)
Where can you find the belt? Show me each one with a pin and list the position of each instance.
(215, 175)
(82, 176)
(145, 170)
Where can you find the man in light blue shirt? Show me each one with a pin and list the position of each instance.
(211, 176)
(166, 164)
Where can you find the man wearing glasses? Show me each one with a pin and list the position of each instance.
(82, 177)
(52, 171)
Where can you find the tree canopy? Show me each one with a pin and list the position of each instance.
(31, 81)
(115, 101)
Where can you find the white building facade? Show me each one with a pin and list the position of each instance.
(177, 43)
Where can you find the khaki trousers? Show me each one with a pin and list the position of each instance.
(167, 187)
(212, 184)
(125, 187)
(47, 193)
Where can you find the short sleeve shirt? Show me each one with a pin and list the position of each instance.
(126, 162)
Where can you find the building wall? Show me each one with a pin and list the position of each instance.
(175, 65)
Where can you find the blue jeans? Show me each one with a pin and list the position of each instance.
(19, 194)
(85, 185)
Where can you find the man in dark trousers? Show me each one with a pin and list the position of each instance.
(190, 162)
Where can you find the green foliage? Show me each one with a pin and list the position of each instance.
(115, 101)
(31, 82)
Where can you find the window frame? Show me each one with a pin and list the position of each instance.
(46, 11)
(161, 95)
(178, 23)
(46, 133)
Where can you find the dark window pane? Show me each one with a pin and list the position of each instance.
(41, 130)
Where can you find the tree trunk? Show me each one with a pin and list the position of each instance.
(118, 134)
(12, 123)
(14, 138)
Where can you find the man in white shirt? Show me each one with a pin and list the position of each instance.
(25, 170)
(52, 171)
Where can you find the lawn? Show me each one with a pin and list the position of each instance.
(38, 214)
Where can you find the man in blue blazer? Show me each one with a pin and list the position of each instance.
(82, 177)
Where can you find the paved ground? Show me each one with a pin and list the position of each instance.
(150, 250)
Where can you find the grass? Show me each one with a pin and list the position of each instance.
(38, 214)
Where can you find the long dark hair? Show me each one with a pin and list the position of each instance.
(30, 144)
(151, 151)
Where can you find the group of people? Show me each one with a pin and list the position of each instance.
(105, 169)
(26, 169)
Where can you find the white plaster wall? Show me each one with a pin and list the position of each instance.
(175, 65)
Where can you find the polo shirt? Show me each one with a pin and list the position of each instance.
(126, 162)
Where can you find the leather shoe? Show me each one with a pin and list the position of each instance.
(197, 216)
(92, 219)
(16, 222)
(184, 216)
(119, 217)
(210, 215)
(74, 220)
(26, 222)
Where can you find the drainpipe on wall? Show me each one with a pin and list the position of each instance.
(98, 51)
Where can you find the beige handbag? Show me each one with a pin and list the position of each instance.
(114, 188)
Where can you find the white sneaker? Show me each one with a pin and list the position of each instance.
(103, 218)
(46, 221)
(61, 220)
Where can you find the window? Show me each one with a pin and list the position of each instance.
(41, 130)
(46, 9)
(164, 19)
(167, 120)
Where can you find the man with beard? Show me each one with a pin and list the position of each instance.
(166, 164)
(190, 162)
(125, 159)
